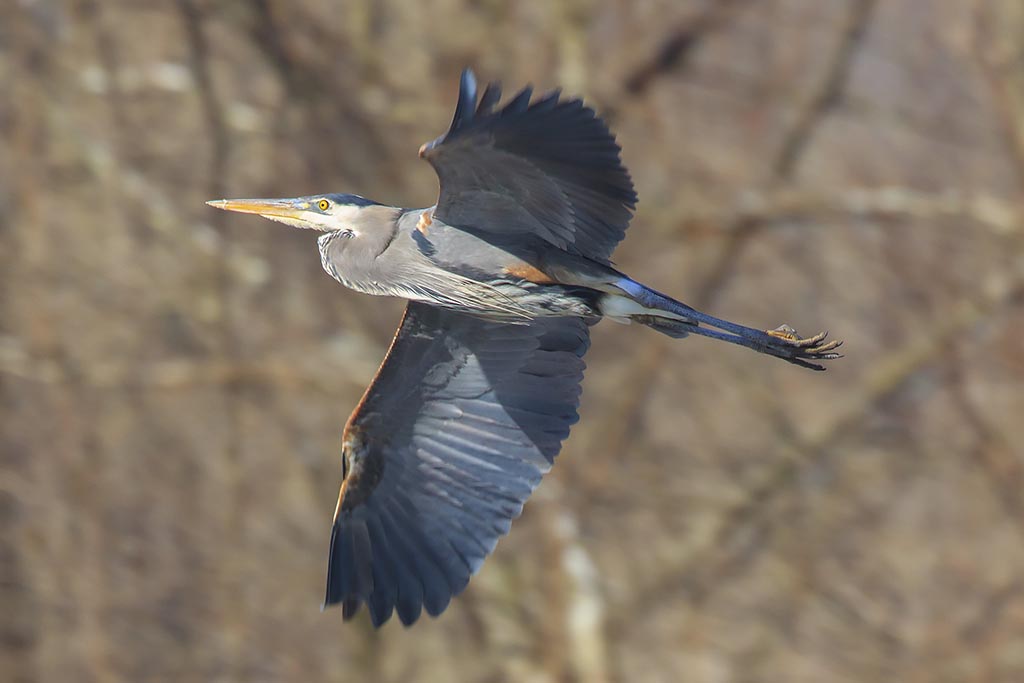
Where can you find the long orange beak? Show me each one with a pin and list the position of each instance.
(269, 208)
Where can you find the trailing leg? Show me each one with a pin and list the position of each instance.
(628, 300)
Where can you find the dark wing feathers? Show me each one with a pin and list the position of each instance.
(550, 168)
(463, 419)
(490, 98)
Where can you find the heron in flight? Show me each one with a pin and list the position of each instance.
(504, 277)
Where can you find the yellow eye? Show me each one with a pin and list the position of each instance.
(323, 204)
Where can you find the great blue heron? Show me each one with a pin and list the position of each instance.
(504, 276)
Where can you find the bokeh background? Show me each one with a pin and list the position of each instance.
(174, 380)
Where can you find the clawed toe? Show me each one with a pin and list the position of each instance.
(799, 350)
(834, 344)
(792, 337)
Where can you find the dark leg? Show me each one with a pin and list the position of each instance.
(782, 342)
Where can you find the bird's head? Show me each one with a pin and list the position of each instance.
(322, 212)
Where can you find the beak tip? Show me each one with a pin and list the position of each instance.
(217, 203)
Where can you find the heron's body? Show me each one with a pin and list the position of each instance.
(504, 277)
(510, 280)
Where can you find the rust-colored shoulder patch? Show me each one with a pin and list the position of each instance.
(525, 271)
(426, 218)
(363, 470)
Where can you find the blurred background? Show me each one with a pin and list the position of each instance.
(174, 380)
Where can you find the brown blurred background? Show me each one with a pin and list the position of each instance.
(174, 380)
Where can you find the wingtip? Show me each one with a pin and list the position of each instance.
(467, 100)
(350, 608)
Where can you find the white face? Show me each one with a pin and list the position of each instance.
(312, 215)
(343, 215)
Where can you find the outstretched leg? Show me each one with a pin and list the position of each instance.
(665, 314)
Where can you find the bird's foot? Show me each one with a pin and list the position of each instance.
(787, 344)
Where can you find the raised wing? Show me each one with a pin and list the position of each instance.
(550, 169)
(450, 439)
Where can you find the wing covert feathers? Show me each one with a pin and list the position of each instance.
(549, 168)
